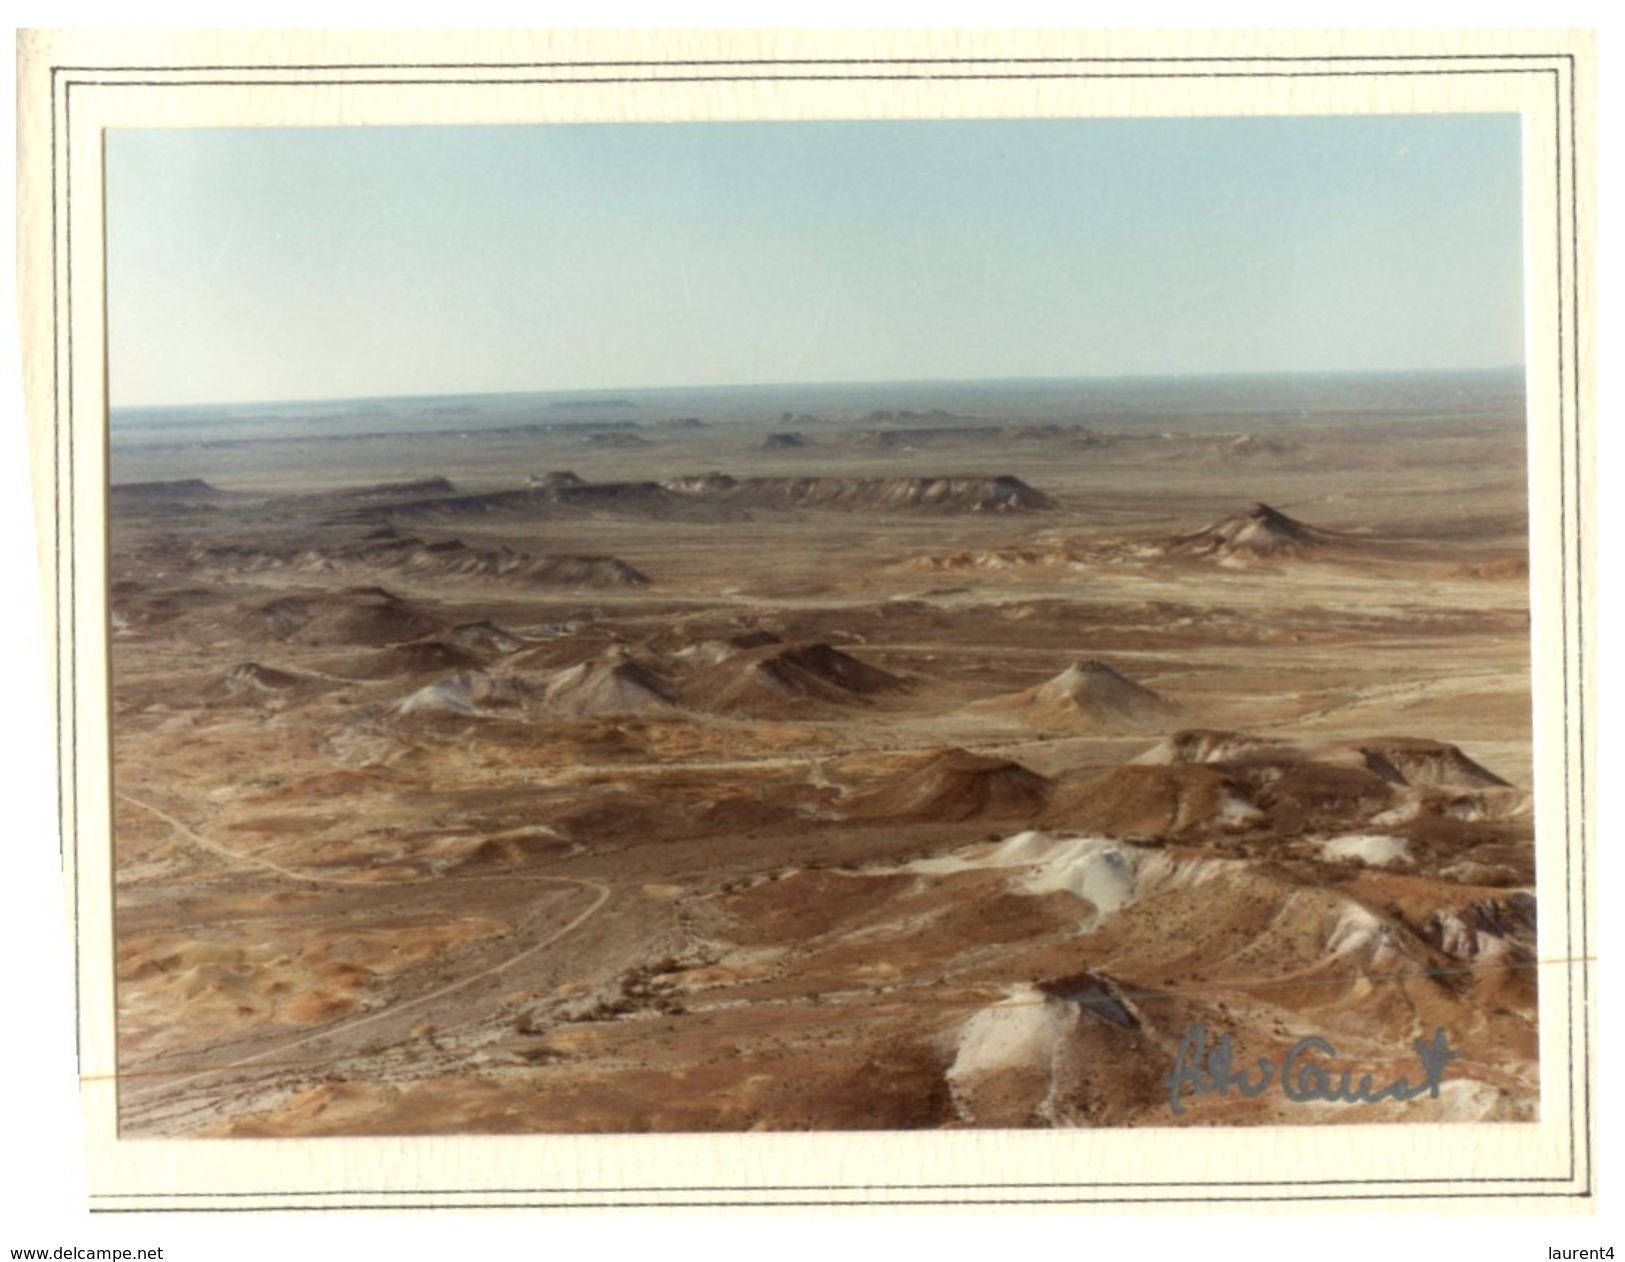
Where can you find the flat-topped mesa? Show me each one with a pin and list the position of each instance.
(1407, 761)
(1417, 761)
(179, 488)
(413, 486)
(969, 493)
(189, 493)
(390, 548)
(1258, 531)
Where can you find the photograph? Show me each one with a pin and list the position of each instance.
(820, 626)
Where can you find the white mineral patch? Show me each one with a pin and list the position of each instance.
(1021, 1030)
(1404, 813)
(1455, 937)
(1459, 939)
(1354, 928)
(1377, 849)
(1099, 871)
(442, 696)
(1159, 870)
(1108, 874)
(1236, 810)
(1028, 846)
(941, 865)
(1357, 930)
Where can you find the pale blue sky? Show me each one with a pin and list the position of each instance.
(273, 264)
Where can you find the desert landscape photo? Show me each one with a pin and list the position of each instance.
(820, 626)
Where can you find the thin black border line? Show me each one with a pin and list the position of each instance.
(820, 61)
(653, 1189)
(357, 81)
(1579, 600)
(70, 82)
(1569, 466)
(73, 505)
(1563, 586)
(1580, 614)
(61, 527)
(830, 1204)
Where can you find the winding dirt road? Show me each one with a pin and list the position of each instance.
(601, 893)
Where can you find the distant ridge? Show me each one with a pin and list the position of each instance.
(180, 491)
(414, 486)
(974, 493)
(968, 493)
(352, 615)
(388, 548)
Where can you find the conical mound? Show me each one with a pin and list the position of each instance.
(1255, 533)
(468, 693)
(619, 686)
(1090, 694)
(773, 677)
(955, 785)
(420, 657)
(353, 615)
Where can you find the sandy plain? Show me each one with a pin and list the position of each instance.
(831, 770)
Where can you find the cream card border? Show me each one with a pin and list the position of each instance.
(75, 85)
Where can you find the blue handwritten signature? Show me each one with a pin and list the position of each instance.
(1305, 1072)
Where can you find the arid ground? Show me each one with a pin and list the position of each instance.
(808, 765)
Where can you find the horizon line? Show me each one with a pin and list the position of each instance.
(589, 392)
